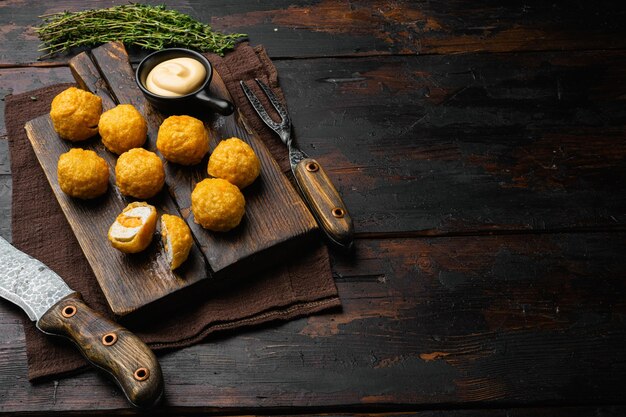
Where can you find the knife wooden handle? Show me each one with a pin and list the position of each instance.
(325, 202)
(108, 346)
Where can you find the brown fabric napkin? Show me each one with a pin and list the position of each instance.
(297, 287)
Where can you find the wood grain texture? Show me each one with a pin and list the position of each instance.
(5, 206)
(108, 346)
(325, 202)
(88, 78)
(322, 28)
(467, 143)
(432, 322)
(5, 191)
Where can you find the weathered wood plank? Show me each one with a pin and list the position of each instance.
(321, 28)
(88, 78)
(467, 143)
(5, 206)
(373, 27)
(5, 163)
(516, 320)
(5, 191)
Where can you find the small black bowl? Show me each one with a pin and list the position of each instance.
(188, 103)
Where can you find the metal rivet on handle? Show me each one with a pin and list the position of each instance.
(141, 374)
(312, 167)
(338, 212)
(109, 339)
(68, 311)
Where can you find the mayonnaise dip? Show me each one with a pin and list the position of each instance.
(176, 77)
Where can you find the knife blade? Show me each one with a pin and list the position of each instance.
(316, 187)
(60, 311)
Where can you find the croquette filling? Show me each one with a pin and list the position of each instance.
(169, 250)
(129, 223)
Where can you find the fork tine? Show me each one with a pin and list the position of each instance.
(258, 107)
(282, 111)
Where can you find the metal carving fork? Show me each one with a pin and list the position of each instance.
(319, 192)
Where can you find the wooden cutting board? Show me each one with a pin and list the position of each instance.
(276, 221)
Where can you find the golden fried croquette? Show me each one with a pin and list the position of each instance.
(235, 161)
(132, 230)
(217, 204)
(139, 173)
(75, 114)
(122, 128)
(82, 173)
(176, 238)
(183, 140)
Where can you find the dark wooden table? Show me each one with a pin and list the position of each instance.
(481, 148)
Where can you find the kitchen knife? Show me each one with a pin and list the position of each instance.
(59, 311)
(318, 190)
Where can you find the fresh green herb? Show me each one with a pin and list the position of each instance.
(150, 27)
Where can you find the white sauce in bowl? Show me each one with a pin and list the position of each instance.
(176, 77)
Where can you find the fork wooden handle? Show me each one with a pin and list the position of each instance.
(325, 202)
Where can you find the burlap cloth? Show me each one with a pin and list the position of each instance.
(297, 287)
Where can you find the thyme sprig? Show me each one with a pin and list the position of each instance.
(149, 27)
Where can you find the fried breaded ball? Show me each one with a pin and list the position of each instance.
(139, 173)
(183, 140)
(132, 230)
(123, 128)
(75, 114)
(217, 204)
(176, 238)
(235, 161)
(82, 173)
